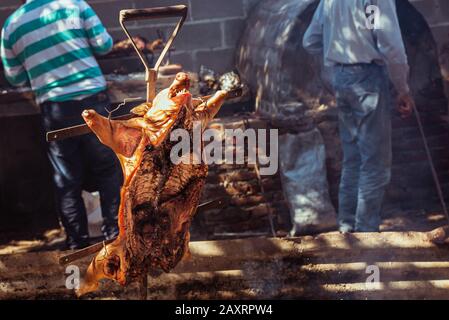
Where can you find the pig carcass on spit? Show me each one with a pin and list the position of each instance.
(159, 197)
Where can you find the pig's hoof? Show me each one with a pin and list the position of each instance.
(88, 114)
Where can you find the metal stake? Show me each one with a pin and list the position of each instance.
(431, 163)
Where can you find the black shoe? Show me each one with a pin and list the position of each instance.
(111, 235)
(110, 231)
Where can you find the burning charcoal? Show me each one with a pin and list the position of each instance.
(159, 197)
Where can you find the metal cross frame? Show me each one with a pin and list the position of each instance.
(153, 13)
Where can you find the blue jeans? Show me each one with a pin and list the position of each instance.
(364, 107)
(82, 163)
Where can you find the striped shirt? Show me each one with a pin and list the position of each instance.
(49, 45)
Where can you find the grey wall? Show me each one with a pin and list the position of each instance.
(209, 37)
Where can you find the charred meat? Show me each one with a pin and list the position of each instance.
(159, 197)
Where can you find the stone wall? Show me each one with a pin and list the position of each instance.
(436, 13)
(209, 37)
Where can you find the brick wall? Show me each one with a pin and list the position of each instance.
(209, 37)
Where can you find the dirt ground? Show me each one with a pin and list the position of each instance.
(326, 266)
(52, 240)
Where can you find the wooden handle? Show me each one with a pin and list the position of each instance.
(153, 13)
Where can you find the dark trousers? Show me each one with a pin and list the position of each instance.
(82, 163)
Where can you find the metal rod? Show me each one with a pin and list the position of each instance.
(82, 129)
(272, 228)
(143, 287)
(170, 41)
(77, 130)
(64, 260)
(431, 163)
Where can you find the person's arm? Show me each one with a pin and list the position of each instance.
(100, 40)
(313, 38)
(15, 73)
(391, 45)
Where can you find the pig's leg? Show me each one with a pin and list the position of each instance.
(109, 263)
(121, 139)
(207, 110)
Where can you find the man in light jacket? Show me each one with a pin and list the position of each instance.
(361, 40)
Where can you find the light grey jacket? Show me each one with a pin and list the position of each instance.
(349, 31)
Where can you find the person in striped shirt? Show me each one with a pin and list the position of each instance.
(50, 46)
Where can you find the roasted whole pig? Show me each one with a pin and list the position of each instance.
(159, 197)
